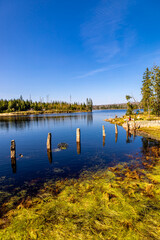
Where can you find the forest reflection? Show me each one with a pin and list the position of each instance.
(21, 122)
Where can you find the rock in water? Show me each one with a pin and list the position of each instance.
(63, 146)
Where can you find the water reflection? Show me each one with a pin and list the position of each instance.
(134, 134)
(21, 122)
(104, 140)
(89, 118)
(89, 154)
(14, 165)
(49, 154)
(116, 137)
(128, 137)
(148, 143)
(78, 147)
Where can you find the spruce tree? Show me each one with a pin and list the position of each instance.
(156, 90)
(147, 91)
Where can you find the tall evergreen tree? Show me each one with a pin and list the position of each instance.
(147, 91)
(156, 89)
(89, 104)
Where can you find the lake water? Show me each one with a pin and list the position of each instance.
(30, 135)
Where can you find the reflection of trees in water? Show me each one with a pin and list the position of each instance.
(21, 122)
(15, 122)
(147, 143)
(89, 118)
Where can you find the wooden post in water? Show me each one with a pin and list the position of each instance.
(49, 142)
(103, 131)
(127, 127)
(78, 135)
(13, 156)
(116, 129)
(13, 150)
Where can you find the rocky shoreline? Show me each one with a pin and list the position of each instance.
(140, 124)
(145, 128)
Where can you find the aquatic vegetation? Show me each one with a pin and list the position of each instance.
(63, 146)
(122, 202)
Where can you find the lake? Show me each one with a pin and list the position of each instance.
(94, 152)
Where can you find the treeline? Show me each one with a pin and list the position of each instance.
(110, 106)
(151, 90)
(15, 105)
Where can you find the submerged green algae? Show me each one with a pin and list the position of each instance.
(122, 202)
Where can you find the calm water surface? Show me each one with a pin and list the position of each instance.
(30, 134)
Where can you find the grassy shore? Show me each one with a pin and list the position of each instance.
(122, 202)
(152, 132)
(26, 113)
(136, 117)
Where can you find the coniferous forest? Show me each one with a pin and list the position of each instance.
(151, 90)
(16, 105)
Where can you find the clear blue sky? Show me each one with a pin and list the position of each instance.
(83, 48)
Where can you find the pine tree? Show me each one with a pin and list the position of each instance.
(130, 106)
(147, 91)
(156, 89)
(89, 104)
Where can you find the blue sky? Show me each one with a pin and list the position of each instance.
(83, 48)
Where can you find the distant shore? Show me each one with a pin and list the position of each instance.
(28, 113)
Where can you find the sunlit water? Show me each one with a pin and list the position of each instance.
(30, 135)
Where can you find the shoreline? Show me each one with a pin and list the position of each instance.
(29, 113)
(141, 125)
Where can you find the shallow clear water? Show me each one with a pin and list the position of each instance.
(30, 135)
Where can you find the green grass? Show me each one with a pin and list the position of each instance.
(118, 121)
(153, 131)
(136, 117)
(31, 112)
(122, 202)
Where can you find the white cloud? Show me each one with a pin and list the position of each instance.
(99, 70)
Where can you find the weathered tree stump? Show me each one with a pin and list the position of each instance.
(78, 135)
(116, 129)
(13, 156)
(49, 142)
(13, 150)
(103, 131)
(134, 125)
